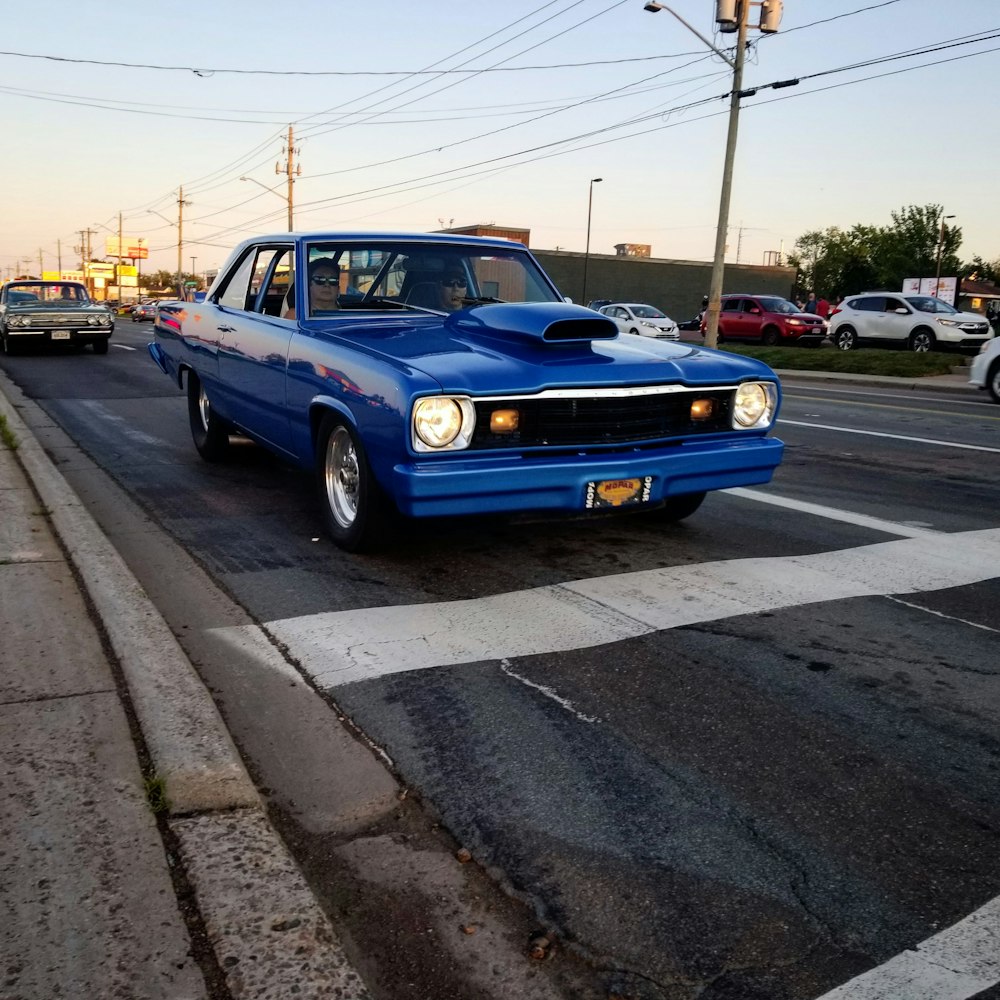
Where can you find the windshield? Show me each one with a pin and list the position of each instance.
(648, 312)
(929, 304)
(776, 305)
(49, 292)
(441, 277)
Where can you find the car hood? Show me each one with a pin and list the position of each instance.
(961, 317)
(526, 347)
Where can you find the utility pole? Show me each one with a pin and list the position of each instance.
(121, 250)
(85, 235)
(180, 241)
(59, 257)
(292, 170)
(41, 264)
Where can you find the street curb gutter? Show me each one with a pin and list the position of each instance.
(270, 937)
(191, 748)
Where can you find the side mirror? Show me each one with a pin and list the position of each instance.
(754, 311)
(568, 298)
(901, 311)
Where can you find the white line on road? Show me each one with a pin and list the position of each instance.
(342, 647)
(123, 347)
(894, 437)
(957, 963)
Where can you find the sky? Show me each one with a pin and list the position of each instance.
(412, 117)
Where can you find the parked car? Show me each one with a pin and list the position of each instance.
(647, 321)
(596, 304)
(47, 312)
(918, 322)
(984, 372)
(493, 395)
(143, 311)
(769, 319)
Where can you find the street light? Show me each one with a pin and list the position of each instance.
(731, 16)
(940, 246)
(586, 255)
(285, 198)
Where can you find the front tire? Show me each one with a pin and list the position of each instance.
(100, 347)
(770, 337)
(680, 507)
(209, 432)
(921, 341)
(993, 382)
(357, 513)
(845, 339)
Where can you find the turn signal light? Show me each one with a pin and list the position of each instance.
(503, 421)
(701, 409)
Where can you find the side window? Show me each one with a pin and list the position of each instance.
(874, 303)
(749, 306)
(732, 305)
(237, 284)
(275, 272)
(621, 313)
(891, 304)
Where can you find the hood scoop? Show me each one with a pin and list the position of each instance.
(547, 322)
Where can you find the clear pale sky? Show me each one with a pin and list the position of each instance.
(384, 148)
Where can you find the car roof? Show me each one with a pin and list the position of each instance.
(367, 234)
(631, 305)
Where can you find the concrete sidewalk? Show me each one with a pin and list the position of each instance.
(100, 716)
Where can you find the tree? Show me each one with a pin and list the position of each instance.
(835, 262)
(980, 270)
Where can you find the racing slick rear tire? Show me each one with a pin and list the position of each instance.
(209, 431)
(679, 507)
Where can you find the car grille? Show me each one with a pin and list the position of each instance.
(584, 420)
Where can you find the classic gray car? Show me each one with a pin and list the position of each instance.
(47, 312)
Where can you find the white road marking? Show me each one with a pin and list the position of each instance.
(832, 513)
(957, 963)
(123, 347)
(548, 692)
(894, 437)
(941, 614)
(342, 647)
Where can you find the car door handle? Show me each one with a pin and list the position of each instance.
(226, 329)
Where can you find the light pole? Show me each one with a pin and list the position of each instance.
(940, 246)
(285, 198)
(586, 253)
(730, 17)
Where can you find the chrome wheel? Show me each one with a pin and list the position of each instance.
(341, 477)
(921, 341)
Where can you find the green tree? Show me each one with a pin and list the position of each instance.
(834, 262)
(982, 270)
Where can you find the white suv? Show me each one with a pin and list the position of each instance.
(921, 322)
(637, 317)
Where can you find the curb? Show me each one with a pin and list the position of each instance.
(269, 935)
(947, 383)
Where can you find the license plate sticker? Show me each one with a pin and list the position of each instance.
(60, 334)
(618, 492)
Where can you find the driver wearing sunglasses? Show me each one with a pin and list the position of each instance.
(453, 290)
(324, 288)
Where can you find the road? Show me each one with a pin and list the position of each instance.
(751, 755)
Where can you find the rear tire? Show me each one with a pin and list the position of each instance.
(922, 341)
(358, 514)
(679, 507)
(844, 339)
(209, 432)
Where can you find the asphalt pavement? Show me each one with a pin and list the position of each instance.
(136, 859)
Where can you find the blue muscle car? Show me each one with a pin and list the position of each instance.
(429, 375)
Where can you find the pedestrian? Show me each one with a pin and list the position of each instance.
(993, 314)
(810, 306)
(822, 308)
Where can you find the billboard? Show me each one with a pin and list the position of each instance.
(130, 246)
(945, 289)
(64, 275)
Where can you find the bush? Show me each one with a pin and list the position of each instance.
(866, 361)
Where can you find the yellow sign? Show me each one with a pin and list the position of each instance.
(62, 275)
(128, 269)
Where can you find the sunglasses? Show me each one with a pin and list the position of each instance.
(320, 279)
(454, 282)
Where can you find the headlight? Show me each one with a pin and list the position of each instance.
(93, 320)
(794, 322)
(753, 404)
(646, 322)
(948, 322)
(443, 422)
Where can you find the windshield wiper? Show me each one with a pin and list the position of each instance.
(479, 300)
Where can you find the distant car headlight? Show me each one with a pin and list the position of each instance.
(443, 423)
(948, 322)
(753, 404)
(794, 322)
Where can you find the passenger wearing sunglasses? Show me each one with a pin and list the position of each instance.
(324, 288)
(453, 290)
